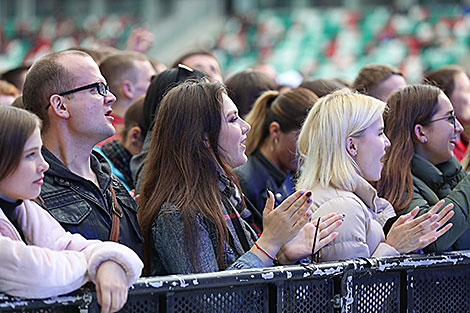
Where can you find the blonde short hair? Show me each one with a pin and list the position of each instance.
(322, 141)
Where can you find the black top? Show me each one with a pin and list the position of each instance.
(8, 207)
(257, 175)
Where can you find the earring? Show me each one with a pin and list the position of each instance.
(425, 140)
(275, 142)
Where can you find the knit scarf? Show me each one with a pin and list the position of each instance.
(241, 235)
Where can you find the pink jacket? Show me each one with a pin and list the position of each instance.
(53, 261)
(361, 234)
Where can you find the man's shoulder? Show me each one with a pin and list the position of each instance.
(123, 195)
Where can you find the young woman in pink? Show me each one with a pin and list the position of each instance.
(39, 259)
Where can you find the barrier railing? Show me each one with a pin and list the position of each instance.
(415, 283)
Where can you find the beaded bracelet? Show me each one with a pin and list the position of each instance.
(275, 260)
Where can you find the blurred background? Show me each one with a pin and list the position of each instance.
(316, 38)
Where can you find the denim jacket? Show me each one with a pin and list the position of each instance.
(81, 207)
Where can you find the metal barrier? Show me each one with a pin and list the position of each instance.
(415, 283)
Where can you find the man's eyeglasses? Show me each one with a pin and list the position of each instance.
(101, 87)
(451, 119)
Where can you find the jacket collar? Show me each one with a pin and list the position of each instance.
(276, 173)
(364, 191)
(434, 176)
(368, 195)
(99, 165)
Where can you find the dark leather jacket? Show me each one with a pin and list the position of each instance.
(257, 175)
(81, 207)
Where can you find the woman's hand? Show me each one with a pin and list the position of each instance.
(409, 233)
(301, 245)
(282, 223)
(111, 286)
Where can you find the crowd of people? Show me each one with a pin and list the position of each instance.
(114, 166)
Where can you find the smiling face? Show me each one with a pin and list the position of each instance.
(25, 181)
(440, 134)
(88, 110)
(232, 134)
(370, 149)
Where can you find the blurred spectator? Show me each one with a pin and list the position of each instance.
(98, 55)
(16, 77)
(322, 87)
(456, 85)
(128, 75)
(378, 80)
(245, 87)
(119, 152)
(140, 40)
(203, 60)
(8, 93)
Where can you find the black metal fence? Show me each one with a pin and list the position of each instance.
(417, 283)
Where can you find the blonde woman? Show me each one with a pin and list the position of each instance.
(341, 145)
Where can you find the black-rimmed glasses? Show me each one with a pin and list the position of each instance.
(451, 119)
(101, 87)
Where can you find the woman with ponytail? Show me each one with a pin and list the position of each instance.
(271, 144)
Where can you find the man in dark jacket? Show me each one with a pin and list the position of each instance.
(67, 91)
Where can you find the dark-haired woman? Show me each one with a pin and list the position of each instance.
(271, 144)
(191, 205)
(420, 168)
(39, 259)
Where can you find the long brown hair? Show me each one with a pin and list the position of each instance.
(16, 126)
(183, 163)
(411, 105)
(289, 109)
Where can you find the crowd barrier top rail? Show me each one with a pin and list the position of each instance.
(347, 287)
